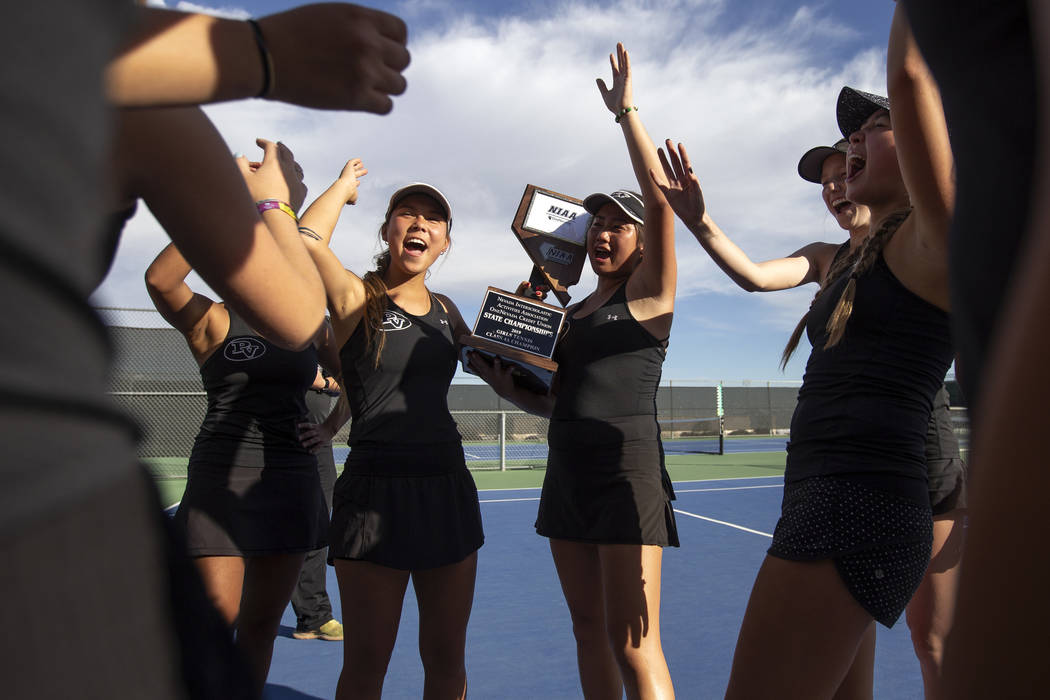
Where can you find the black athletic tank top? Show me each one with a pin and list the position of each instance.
(864, 405)
(255, 401)
(609, 368)
(404, 399)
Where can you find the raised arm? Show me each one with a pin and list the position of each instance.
(682, 191)
(328, 56)
(921, 135)
(177, 162)
(653, 281)
(344, 290)
(200, 320)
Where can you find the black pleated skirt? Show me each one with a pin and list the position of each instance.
(408, 507)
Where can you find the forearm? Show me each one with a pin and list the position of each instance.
(728, 255)
(920, 132)
(658, 271)
(338, 417)
(217, 60)
(530, 402)
(644, 157)
(201, 201)
(285, 232)
(319, 220)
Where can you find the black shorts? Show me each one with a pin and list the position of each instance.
(947, 483)
(406, 507)
(880, 542)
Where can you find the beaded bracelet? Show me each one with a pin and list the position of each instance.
(623, 113)
(265, 58)
(267, 204)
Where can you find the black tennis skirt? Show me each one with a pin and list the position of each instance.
(408, 507)
(607, 494)
(247, 511)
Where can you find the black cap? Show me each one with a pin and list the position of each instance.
(630, 202)
(855, 106)
(812, 162)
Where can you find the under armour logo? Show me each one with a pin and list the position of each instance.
(444, 322)
(393, 321)
(612, 317)
(243, 349)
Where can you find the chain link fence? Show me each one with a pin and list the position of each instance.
(156, 380)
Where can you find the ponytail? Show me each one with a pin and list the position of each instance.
(375, 305)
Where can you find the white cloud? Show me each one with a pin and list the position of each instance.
(495, 104)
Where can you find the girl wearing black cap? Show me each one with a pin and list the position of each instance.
(929, 613)
(253, 505)
(405, 505)
(854, 537)
(606, 500)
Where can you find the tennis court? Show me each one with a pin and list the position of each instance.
(520, 643)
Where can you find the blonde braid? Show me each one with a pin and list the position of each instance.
(838, 267)
(375, 305)
(836, 327)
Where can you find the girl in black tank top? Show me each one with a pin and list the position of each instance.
(253, 505)
(606, 501)
(405, 506)
(854, 537)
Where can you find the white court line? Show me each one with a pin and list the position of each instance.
(730, 478)
(470, 456)
(688, 481)
(505, 500)
(731, 488)
(722, 522)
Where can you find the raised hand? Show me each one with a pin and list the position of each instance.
(350, 177)
(336, 56)
(682, 189)
(620, 96)
(277, 176)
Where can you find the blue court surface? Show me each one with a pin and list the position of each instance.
(520, 644)
(537, 451)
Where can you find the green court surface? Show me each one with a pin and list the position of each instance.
(681, 468)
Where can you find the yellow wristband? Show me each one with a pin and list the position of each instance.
(267, 204)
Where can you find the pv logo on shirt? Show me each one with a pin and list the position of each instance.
(243, 349)
(393, 321)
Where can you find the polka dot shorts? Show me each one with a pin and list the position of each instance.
(880, 542)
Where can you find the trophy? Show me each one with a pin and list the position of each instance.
(522, 332)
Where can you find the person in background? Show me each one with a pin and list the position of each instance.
(310, 601)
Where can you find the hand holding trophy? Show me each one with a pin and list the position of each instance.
(522, 331)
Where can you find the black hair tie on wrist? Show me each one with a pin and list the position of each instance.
(264, 57)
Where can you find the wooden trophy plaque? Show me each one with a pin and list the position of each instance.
(552, 227)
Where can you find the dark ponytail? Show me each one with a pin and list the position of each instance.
(375, 305)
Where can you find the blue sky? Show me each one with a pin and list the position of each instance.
(502, 95)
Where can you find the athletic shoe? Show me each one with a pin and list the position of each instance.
(330, 631)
